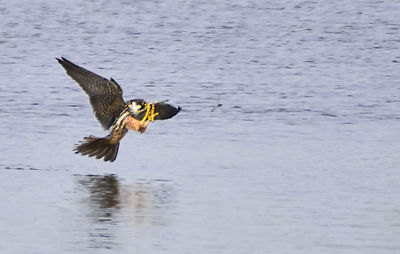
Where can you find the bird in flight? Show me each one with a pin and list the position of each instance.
(110, 109)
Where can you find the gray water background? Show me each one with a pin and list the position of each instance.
(303, 156)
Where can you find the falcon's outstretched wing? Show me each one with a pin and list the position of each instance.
(163, 111)
(105, 95)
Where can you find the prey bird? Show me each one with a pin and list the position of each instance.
(110, 109)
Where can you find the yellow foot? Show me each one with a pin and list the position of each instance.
(149, 116)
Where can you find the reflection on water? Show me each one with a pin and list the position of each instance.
(102, 204)
(104, 190)
(112, 206)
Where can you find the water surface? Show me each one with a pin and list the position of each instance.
(302, 157)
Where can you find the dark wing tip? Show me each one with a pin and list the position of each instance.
(165, 111)
(62, 60)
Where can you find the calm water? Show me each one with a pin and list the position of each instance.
(303, 156)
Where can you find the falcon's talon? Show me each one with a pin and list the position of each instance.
(150, 115)
(146, 116)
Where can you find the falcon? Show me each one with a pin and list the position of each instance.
(112, 112)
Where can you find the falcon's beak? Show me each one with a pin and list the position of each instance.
(141, 108)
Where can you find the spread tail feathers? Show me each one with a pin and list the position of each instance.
(99, 147)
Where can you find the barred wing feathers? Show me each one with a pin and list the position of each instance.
(105, 95)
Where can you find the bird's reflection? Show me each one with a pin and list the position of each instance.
(103, 190)
(111, 205)
(108, 194)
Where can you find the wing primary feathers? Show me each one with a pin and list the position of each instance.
(105, 95)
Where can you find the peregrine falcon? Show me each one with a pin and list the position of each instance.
(113, 112)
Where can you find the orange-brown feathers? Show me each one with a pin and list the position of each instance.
(137, 125)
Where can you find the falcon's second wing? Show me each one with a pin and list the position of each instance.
(163, 111)
(105, 95)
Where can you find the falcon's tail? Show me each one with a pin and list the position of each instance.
(99, 147)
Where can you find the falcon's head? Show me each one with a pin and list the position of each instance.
(137, 106)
